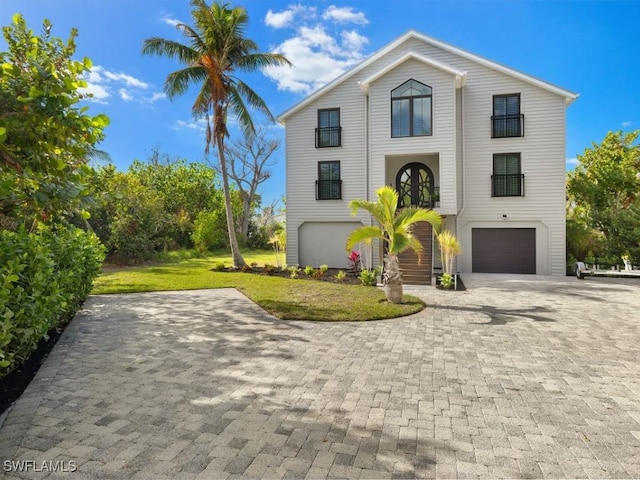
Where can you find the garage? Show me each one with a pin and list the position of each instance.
(503, 250)
(325, 243)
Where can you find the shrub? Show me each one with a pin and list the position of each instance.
(324, 269)
(210, 231)
(218, 267)
(446, 280)
(44, 278)
(355, 263)
(308, 270)
(368, 277)
(294, 271)
(340, 276)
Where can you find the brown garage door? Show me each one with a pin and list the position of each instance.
(503, 250)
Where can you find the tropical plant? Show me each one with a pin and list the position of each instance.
(355, 263)
(449, 249)
(216, 50)
(394, 228)
(308, 270)
(369, 278)
(340, 276)
(279, 242)
(46, 136)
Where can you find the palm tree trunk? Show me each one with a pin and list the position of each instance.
(392, 278)
(238, 260)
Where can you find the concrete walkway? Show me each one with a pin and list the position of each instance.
(518, 377)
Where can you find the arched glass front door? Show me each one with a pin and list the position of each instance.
(414, 184)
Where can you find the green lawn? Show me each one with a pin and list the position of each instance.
(287, 299)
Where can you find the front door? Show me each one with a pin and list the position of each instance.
(414, 184)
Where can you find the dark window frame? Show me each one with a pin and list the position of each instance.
(328, 136)
(508, 184)
(331, 188)
(411, 99)
(507, 125)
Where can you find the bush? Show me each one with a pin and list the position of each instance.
(44, 278)
(308, 270)
(340, 276)
(210, 231)
(368, 278)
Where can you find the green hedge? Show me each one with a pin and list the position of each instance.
(44, 278)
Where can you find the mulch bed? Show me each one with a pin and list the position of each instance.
(329, 276)
(12, 386)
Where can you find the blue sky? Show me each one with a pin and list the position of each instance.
(590, 48)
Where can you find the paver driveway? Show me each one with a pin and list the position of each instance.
(519, 377)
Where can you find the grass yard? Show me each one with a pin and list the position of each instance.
(287, 299)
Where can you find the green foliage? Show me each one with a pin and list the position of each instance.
(308, 270)
(449, 249)
(46, 139)
(294, 271)
(218, 266)
(340, 276)
(210, 231)
(604, 194)
(446, 280)
(44, 278)
(324, 269)
(368, 278)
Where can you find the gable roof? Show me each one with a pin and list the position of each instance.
(412, 34)
(459, 76)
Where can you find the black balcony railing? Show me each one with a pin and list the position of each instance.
(328, 189)
(507, 185)
(507, 126)
(328, 137)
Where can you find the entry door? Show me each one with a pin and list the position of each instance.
(414, 184)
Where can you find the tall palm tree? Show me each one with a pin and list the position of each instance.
(216, 49)
(394, 228)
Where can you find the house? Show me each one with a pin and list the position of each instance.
(479, 142)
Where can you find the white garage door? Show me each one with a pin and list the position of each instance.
(323, 243)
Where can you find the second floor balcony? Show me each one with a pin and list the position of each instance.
(507, 126)
(328, 137)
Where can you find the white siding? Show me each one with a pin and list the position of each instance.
(461, 143)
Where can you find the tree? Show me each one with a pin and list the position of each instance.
(46, 139)
(604, 193)
(248, 161)
(394, 228)
(216, 50)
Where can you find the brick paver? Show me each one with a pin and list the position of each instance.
(518, 377)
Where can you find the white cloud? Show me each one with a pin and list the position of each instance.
(318, 56)
(344, 15)
(200, 124)
(170, 21)
(98, 93)
(572, 162)
(285, 18)
(626, 124)
(103, 83)
(125, 95)
(157, 96)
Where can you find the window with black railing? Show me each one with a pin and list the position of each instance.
(507, 121)
(507, 126)
(507, 179)
(328, 133)
(328, 137)
(329, 184)
(507, 185)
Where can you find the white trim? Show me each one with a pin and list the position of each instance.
(460, 76)
(569, 96)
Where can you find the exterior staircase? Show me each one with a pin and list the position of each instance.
(414, 273)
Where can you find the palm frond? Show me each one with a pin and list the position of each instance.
(170, 49)
(364, 234)
(179, 81)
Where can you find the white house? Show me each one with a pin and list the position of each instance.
(481, 143)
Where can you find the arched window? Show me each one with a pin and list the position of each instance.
(411, 110)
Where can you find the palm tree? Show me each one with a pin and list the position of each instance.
(216, 49)
(394, 227)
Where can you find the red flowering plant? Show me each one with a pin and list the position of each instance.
(356, 263)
